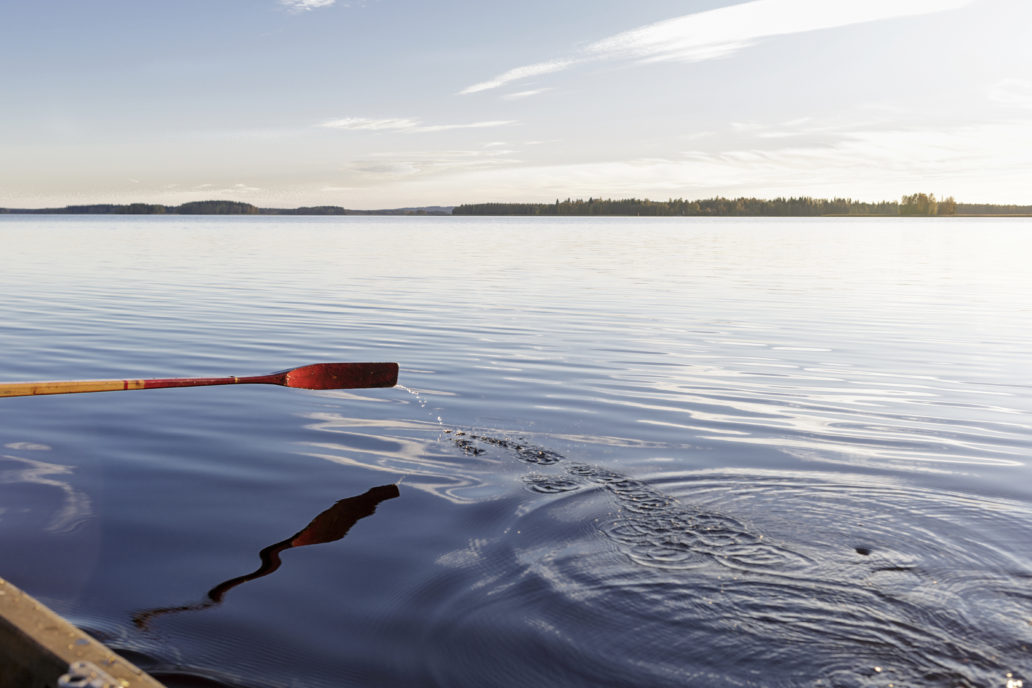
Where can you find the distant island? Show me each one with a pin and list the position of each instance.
(913, 205)
(218, 208)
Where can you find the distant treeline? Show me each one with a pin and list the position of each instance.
(219, 208)
(913, 205)
(919, 204)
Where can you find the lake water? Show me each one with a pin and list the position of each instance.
(626, 452)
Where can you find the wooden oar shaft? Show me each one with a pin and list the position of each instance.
(24, 389)
(314, 376)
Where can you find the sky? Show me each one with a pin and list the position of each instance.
(395, 103)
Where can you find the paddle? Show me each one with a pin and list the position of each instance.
(314, 376)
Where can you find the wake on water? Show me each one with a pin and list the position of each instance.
(775, 578)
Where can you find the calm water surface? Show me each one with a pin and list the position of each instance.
(657, 452)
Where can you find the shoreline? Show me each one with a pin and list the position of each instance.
(593, 207)
(372, 213)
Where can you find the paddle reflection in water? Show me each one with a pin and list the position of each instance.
(332, 524)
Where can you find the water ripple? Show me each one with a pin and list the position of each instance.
(749, 578)
(75, 506)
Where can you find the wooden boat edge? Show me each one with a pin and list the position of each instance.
(38, 647)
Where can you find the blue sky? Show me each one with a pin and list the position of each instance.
(387, 103)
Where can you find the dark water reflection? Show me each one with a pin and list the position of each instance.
(329, 526)
(672, 453)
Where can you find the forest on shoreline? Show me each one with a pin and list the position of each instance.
(913, 205)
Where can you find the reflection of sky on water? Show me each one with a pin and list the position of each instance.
(421, 461)
(17, 470)
(863, 419)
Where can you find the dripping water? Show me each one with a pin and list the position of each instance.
(423, 403)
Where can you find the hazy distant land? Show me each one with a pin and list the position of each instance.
(914, 205)
(218, 208)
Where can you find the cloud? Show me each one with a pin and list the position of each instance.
(239, 188)
(378, 168)
(525, 94)
(305, 5)
(1012, 92)
(522, 73)
(405, 124)
(396, 172)
(724, 31)
(364, 124)
(872, 161)
(472, 125)
(222, 190)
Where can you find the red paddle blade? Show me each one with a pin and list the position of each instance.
(343, 375)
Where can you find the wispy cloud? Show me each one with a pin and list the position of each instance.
(399, 165)
(873, 163)
(471, 125)
(234, 190)
(724, 31)
(1013, 92)
(305, 5)
(525, 94)
(366, 124)
(525, 72)
(405, 124)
